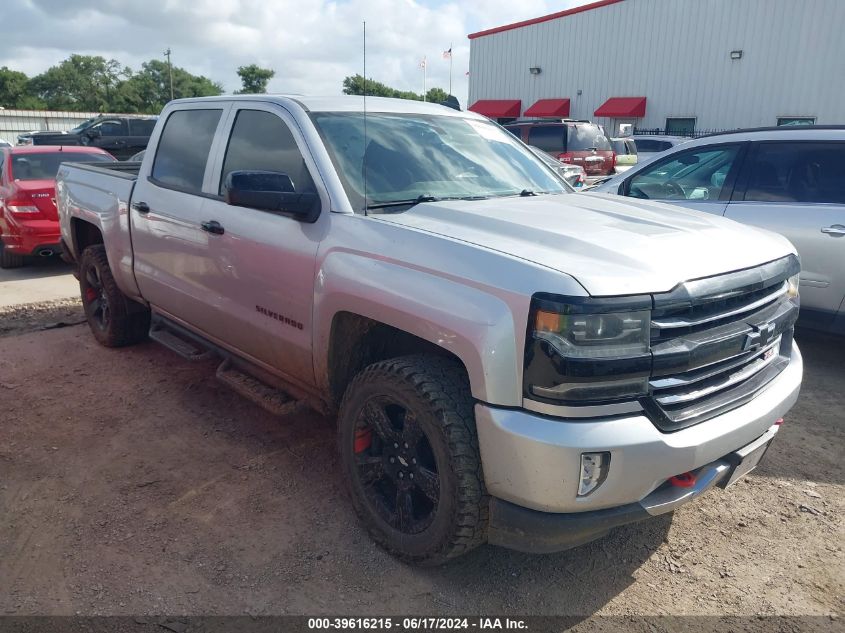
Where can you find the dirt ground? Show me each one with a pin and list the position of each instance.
(131, 482)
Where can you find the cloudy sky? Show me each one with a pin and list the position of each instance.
(312, 44)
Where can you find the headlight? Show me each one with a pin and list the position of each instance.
(595, 335)
(792, 286)
(588, 352)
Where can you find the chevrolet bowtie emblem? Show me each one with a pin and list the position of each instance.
(759, 337)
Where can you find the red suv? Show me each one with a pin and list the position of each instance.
(29, 221)
(578, 142)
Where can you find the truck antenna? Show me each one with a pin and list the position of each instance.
(364, 154)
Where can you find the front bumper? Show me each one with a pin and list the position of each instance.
(526, 530)
(534, 461)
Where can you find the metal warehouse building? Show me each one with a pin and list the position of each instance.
(676, 65)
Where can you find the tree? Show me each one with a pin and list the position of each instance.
(436, 95)
(81, 82)
(254, 78)
(14, 91)
(148, 90)
(354, 85)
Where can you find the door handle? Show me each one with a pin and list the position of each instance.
(141, 207)
(837, 230)
(213, 226)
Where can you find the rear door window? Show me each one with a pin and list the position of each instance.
(183, 148)
(797, 172)
(548, 138)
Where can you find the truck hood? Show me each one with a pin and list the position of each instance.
(611, 245)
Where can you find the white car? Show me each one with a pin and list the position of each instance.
(626, 153)
(790, 180)
(648, 144)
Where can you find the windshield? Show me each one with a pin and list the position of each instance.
(416, 157)
(45, 166)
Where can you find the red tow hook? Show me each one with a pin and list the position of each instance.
(684, 480)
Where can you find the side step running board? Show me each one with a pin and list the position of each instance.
(179, 342)
(273, 400)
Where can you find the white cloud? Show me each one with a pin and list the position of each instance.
(311, 45)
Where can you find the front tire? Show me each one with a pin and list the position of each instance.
(114, 319)
(409, 450)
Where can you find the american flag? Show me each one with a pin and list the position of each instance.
(447, 54)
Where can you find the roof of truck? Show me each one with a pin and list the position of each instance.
(345, 103)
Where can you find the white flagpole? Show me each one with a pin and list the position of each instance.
(425, 73)
(450, 68)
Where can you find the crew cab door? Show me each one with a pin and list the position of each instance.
(264, 261)
(171, 251)
(797, 189)
(699, 178)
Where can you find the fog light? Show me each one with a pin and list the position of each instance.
(594, 467)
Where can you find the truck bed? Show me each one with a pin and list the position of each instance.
(100, 194)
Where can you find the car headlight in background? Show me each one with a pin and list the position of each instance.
(588, 352)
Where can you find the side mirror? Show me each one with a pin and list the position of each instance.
(270, 191)
(94, 133)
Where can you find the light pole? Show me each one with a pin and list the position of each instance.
(169, 71)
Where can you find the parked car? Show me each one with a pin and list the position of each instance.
(786, 179)
(573, 175)
(121, 136)
(626, 153)
(648, 144)
(5, 143)
(29, 224)
(509, 362)
(577, 142)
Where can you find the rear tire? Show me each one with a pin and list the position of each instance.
(410, 455)
(114, 319)
(10, 260)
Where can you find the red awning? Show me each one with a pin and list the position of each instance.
(558, 108)
(497, 108)
(620, 107)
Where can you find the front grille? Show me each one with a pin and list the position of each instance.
(717, 342)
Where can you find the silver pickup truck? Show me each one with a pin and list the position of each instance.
(509, 362)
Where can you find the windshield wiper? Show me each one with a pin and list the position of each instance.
(527, 192)
(400, 203)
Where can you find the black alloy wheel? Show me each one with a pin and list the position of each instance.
(396, 465)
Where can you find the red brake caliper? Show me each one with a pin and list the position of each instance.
(363, 439)
(90, 294)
